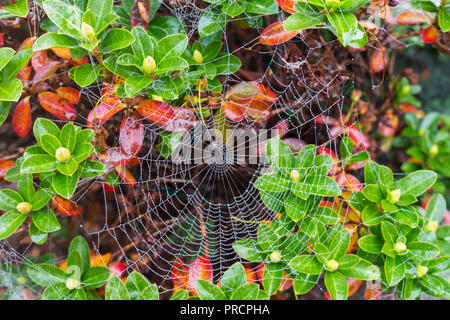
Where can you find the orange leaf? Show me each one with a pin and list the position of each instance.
(411, 18)
(70, 94)
(275, 34)
(5, 165)
(140, 14)
(378, 61)
(66, 207)
(179, 275)
(57, 106)
(125, 174)
(287, 5)
(430, 35)
(348, 182)
(38, 60)
(201, 269)
(131, 134)
(24, 74)
(21, 120)
(115, 156)
(46, 71)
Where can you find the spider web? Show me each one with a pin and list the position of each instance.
(187, 210)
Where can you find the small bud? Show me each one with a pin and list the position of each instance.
(149, 65)
(421, 271)
(432, 226)
(421, 132)
(395, 195)
(295, 176)
(333, 265)
(399, 247)
(275, 257)
(21, 280)
(406, 89)
(72, 283)
(62, 154)
(198, 57)
(88, 32)
(434, 150)
(24, 207)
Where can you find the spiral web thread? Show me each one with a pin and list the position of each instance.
(185, 208)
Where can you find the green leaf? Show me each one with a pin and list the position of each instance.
(371, 215)
(135, 84)
(68, 136)
(170, 46)
(65, 16)
(95, 277)
(280, 156)
(116, 290)
(5, 106)
(435, 208)
(303, 283)
(44, 126)
(444, 18)
(79, 243)
(348, 30)
(11, 90)
(6, 54)
(85, 74)
(65, 185)
(233, 278)
(138, 287)
(432, 285)
(248, 249)
(10, 222)
(226, 64)
(303, 20)
(317, 185)
(115, 39)
(212, 21)
(273, 201)
(38, 163)
(363, 270)
(233, 9)
(45, 220)
(40, 199)
(170, 64)
(19, 8)
(9, 199)
(102, 10)
(339, 243)
(208, 291)
(306, 264)
(143, 46)
(249, 291)
(272, 182)
(67, 168)
(83, 151)
(261, 6)
(36, 235)
(91, 169)
(337, 285)
(54, 40)
(295, 207)
(17, 63)
(272, 277)
(394, 270)
(46, 274)
(74, 262)
(373, 193)
(422, 250)
(50, 144)
(371, 244)
(417, 183)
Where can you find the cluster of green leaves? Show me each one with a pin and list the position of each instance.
(398, 241)
(427, 141)
(215, 18)
(405, 93)
(338, 16)
(11, 87)
(59, 160)
(232, 286)
(81, 279)
(18, 8)
(383, 198)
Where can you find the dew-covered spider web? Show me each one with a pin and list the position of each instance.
(186, 210)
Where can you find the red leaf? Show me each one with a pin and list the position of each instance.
(118, 269)
(388, 124)
(38, 60)
(179, 275)
(46, 71)
(26, 44)
(1, 39)
(157, 112)
(140, 14)
(5, 165)
(348, 182)
(66, 207)
(57, 106)
(287, 5)
(125, 174)
(275, 34)
(326, 120)
(264, 93)
(70, 94)
(232, 111)
(103, 112)
(21, 120)
(283, 127)
(24, 74)
(115, 156)
(131, 134)
(252, 108)
(335, 168)
(242, 91)
(373, 291)
(185, 120)
(358, 138)
(411, 18)
(430, 35)
(201, 269)
(295, 144)
(378, 61)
